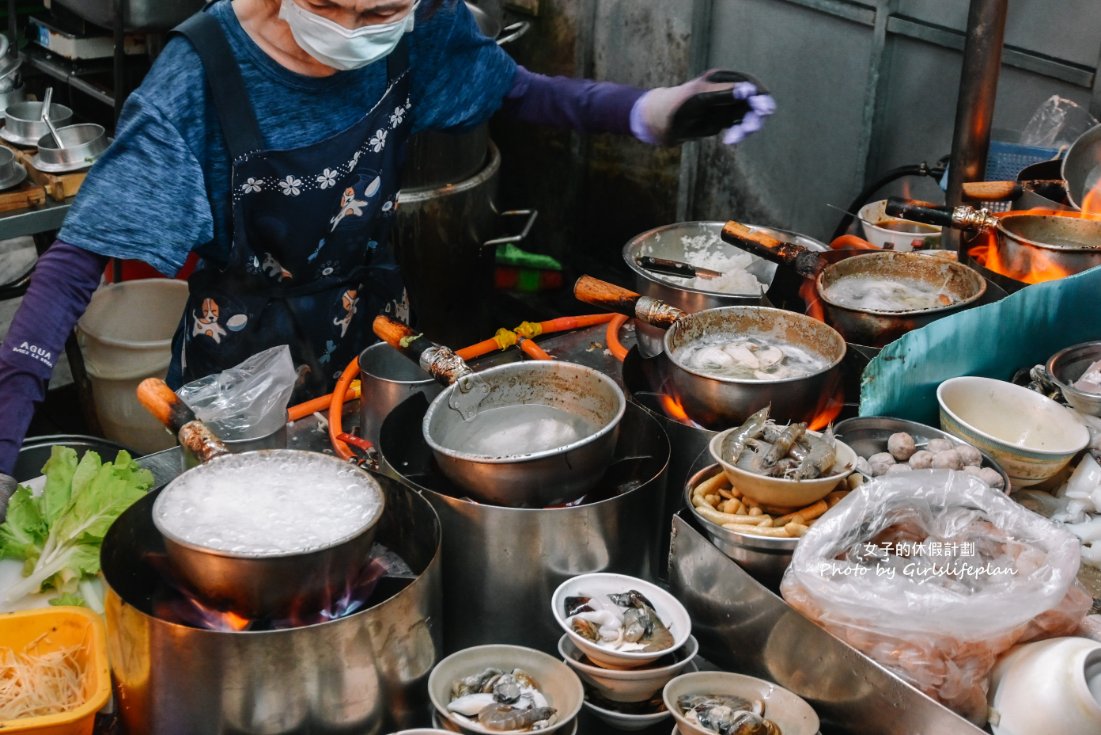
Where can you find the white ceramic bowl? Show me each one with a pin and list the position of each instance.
(790, 712)
(668, 608)
(558, 683)
(893, 233)
(423, 731)
(627, 685)
(1029, 435)
(776, 492)
(624, 721)
(1036, 685)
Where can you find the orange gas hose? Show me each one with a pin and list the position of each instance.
(336, 409)
(312, 406)
(851, 241)
(561, 324)
(533, 350)
(612, 336)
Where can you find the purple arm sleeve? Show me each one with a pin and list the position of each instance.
(578, 104)
(61, 287)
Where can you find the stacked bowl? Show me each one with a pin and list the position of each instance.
(625, 638)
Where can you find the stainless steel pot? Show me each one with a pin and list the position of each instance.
(136, 15)
(264, 584)
(673, 242)
(717, 402)
(876, 328)
(23, 121)
(1032, 199)
(366, 672)
(524, 408)
(720, 402)
(386, 379)
(435, 158)
(1028, 242)
(1082, 168)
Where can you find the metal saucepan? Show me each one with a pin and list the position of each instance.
(875, 325)
(23, 123)
(720, 402)
(1082, 168)
(680, 242)
(258, 585)
(1031, 241)
(527, 434)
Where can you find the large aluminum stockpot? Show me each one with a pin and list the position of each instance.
(680, 242)
(264, 584)
(500, 565)
(363, 673)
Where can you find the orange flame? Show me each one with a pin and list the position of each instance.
(674, 410)
(1091, 200)
(829, 411)
(808, 291)
(1039, 269)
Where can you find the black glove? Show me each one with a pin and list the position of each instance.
(7, 489)
(719, 100)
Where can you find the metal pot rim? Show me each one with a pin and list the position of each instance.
(226, 458)
(888, 255)
(672, 331)
(525, 366)
(1006, 233)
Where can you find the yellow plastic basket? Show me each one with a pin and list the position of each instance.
(50, 629)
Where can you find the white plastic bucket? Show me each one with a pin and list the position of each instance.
(125, 337)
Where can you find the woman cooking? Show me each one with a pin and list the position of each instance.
(267, 138)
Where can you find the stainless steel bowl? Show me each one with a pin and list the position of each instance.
(83, 145)
(718, 402)
(868, 435)
(1066, 366)
(668, 242)
(538, 477)
(23, 121)
(11, 173)
(764, 557)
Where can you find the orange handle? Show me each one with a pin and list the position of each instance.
(606, 295)
(161, 401)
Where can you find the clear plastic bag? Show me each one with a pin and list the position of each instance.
(1057, 123)
(247, 401)
(934, 574)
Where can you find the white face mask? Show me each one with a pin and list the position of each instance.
(343, 48)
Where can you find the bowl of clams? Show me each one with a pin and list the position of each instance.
(709, 702)
(886, 445)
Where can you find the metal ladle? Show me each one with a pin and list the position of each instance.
(46, 117)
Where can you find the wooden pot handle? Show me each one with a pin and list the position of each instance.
(161, 401)
(438, 361)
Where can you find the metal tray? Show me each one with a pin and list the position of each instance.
(744, 627)
(138, 15)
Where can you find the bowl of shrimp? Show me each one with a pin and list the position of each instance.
(619, 621)
(504, 688)
(781, 466)
(709, 702)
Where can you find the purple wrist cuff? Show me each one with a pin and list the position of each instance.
(61, 287)
(575, 104)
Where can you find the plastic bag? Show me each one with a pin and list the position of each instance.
(247, 401)
(1057, 123)
(933, 574)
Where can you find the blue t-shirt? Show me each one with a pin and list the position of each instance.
(162, 188)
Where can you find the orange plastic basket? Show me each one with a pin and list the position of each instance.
(49, 629)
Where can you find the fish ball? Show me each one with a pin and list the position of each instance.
(899, 467)
(973, 470)
(992, 477)
(949, 459)
(971, 457)
(922, 459)
(940, 445)
(880, 462)
(863, 466)
(901, 446)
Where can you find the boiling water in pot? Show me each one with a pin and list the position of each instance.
(748, 358)
(893, 295)
(507, 431)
